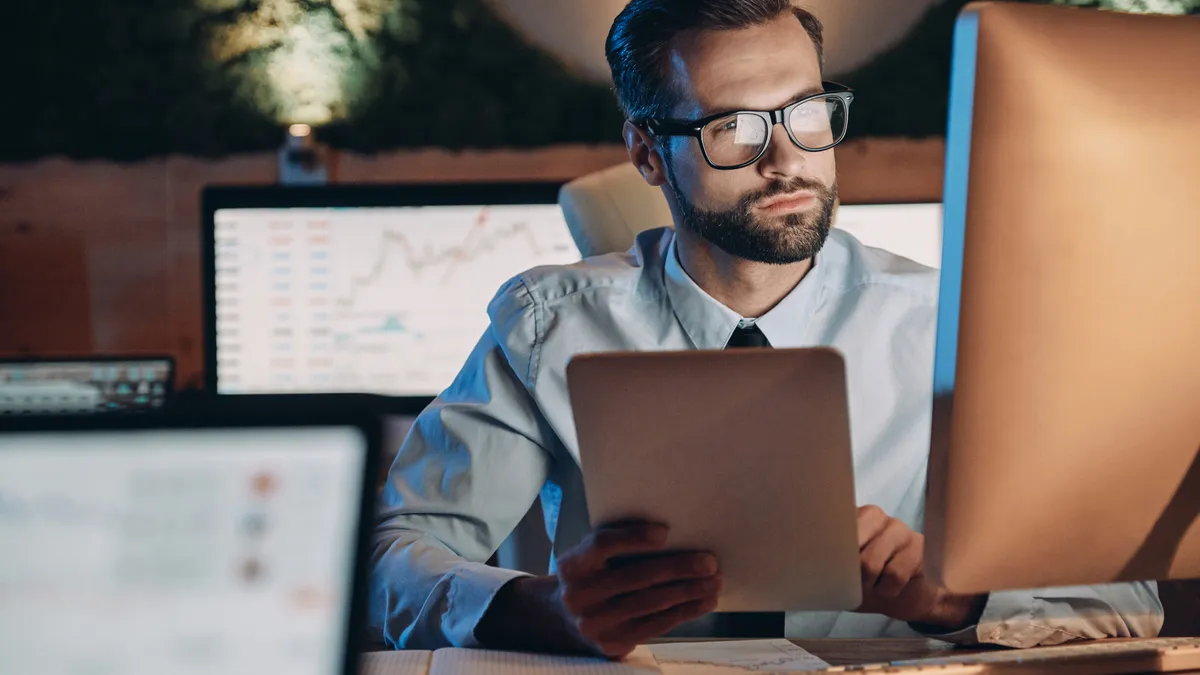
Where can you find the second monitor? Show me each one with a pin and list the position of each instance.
(374, 289)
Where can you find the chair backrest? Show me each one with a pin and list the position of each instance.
(606, 210)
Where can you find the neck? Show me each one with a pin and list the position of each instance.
(749, 288)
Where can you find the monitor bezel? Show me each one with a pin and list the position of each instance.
(257, 412)
(219, 197)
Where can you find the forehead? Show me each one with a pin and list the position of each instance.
(761, 67)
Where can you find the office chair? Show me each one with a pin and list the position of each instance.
(607, 209)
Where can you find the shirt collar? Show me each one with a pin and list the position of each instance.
(709, 323)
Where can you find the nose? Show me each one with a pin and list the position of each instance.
(782, 158)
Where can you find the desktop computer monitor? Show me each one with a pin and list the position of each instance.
(231, 542)
(1067, 371)
(910, 230)
(368, 289)
(91, 384)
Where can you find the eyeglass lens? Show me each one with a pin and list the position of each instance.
(738, 138)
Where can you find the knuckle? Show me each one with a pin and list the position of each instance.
(894, 577)
(705, 588)
(572, 602)
(872, 567)
(567, 569)
(571, 566)
(588, 627)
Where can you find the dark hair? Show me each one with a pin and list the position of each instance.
(642, 33)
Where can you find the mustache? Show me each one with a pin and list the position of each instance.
(783, 187)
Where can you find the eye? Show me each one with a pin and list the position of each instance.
(726, 125)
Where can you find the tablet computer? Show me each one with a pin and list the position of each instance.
(745, 453)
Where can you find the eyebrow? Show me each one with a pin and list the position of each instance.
(804, 93)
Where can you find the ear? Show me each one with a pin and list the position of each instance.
(645, 154)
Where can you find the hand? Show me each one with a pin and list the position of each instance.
(618, 588)
(892, 559)
(615, 590)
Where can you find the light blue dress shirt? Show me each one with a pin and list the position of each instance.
(503, 432)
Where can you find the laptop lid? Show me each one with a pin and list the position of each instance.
(200, 541)
(85, 384)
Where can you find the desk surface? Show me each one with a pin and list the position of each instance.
(851, 652)
(847, 652)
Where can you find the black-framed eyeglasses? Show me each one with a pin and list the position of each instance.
(739, 138)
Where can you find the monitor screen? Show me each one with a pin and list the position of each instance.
(910, 230)
(84, 386)
(380, 299)
(178, 551)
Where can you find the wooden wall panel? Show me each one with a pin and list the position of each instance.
(105, 257)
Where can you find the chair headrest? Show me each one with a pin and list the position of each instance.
(606, 210)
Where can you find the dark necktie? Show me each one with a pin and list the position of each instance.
(749, 624)
(750, 336)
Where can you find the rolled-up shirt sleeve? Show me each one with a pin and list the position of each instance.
(1053, 616)
(467, 473)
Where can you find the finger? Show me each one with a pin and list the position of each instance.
(640, 631)
(611, 541)
(904, 566)
(876, 555)
(871, 521)
(649, 601)
(600, 587)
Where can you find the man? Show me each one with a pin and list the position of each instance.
(751, 262)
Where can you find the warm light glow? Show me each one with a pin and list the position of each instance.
(301, 62)
(300, 130)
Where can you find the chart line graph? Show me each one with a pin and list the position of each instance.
(379, 300)
(479, 241)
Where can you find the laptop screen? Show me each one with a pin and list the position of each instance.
(83, 386)
(178, 551)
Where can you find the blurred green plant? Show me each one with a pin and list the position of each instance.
(1145, 6)
(128, 79)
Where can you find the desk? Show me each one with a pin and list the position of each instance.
(836, 652)
(849, 652)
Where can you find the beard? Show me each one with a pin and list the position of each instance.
(781, 240)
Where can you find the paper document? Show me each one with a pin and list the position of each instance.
(734, 657)
(484, 662)
(395, 663)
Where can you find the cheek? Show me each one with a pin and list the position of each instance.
(710, 189)
(824, 167)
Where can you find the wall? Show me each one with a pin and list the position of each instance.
(855, 30)
(101, 257)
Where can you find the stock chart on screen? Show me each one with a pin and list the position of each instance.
(386, 300)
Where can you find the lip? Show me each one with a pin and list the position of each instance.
(795, 201)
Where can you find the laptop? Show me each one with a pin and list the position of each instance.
(205, 540)
(85, 384)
